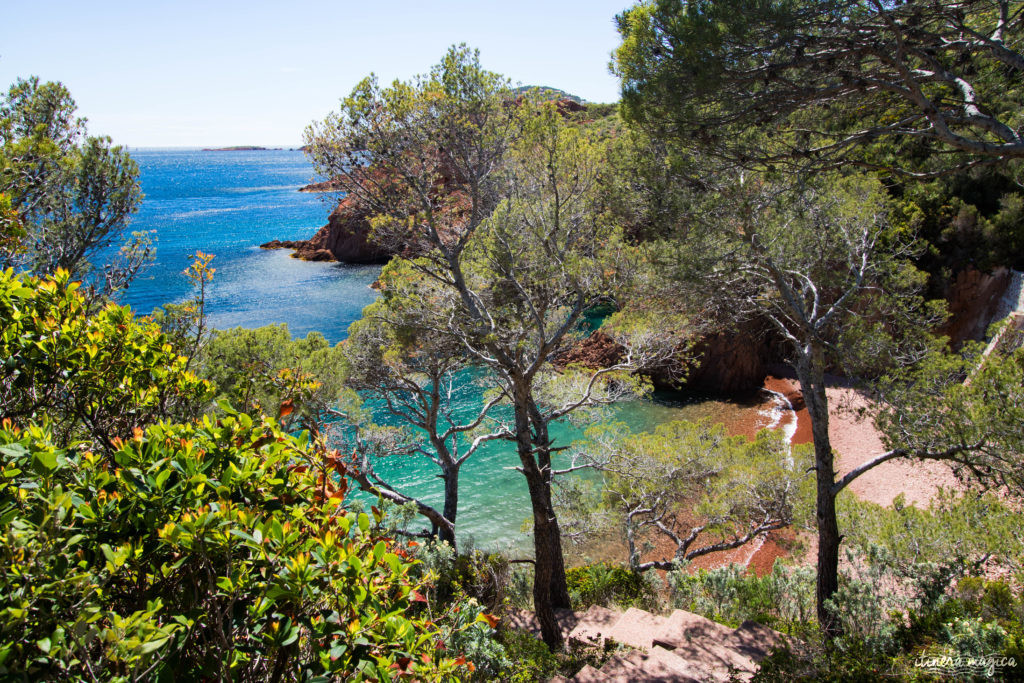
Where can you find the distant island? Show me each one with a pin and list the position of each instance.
(243, 148)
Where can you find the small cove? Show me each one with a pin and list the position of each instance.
(226, 203)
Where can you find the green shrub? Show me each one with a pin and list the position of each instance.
(215, 550)
(605, 584)
(96, 375)
(529, 658)
(483, 577)
(467, 628)
(259, 369)
(783, 599)
(976, 623)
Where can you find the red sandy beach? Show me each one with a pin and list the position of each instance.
(855, 441)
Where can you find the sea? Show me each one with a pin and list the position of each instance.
(227, 203)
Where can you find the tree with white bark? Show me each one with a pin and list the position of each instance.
(491, 198)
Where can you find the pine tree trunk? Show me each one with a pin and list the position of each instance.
(451, 504)
(549, 586)
(828, 559)
(811, 373)
(550, 589)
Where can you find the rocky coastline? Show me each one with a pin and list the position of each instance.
(324, 186)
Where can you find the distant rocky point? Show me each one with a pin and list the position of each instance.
(346, 238)
(325, 186)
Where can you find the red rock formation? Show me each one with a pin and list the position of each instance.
(973, 297)
(346, 237)
(567, 106)
(733, 362)
(596, 351)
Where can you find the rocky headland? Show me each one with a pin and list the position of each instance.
(346, 238)
(324, 186)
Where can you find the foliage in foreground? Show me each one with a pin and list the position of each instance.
(95, 376)
(214, 548)
(140, 551)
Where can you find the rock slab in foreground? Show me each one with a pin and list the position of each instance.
(682, 648)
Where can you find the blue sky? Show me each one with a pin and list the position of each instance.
(157, 73)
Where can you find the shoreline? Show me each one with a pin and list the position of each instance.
(793, 417)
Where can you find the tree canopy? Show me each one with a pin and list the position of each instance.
(72, 194)
(815, 83)
(492, 200)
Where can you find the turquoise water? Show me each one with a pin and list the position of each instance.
(227, 203)
(493, 499)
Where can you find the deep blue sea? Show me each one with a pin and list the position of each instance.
(227, 204)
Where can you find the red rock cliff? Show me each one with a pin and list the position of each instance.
(973, 298)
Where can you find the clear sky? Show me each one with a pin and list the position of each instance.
(155, 73)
